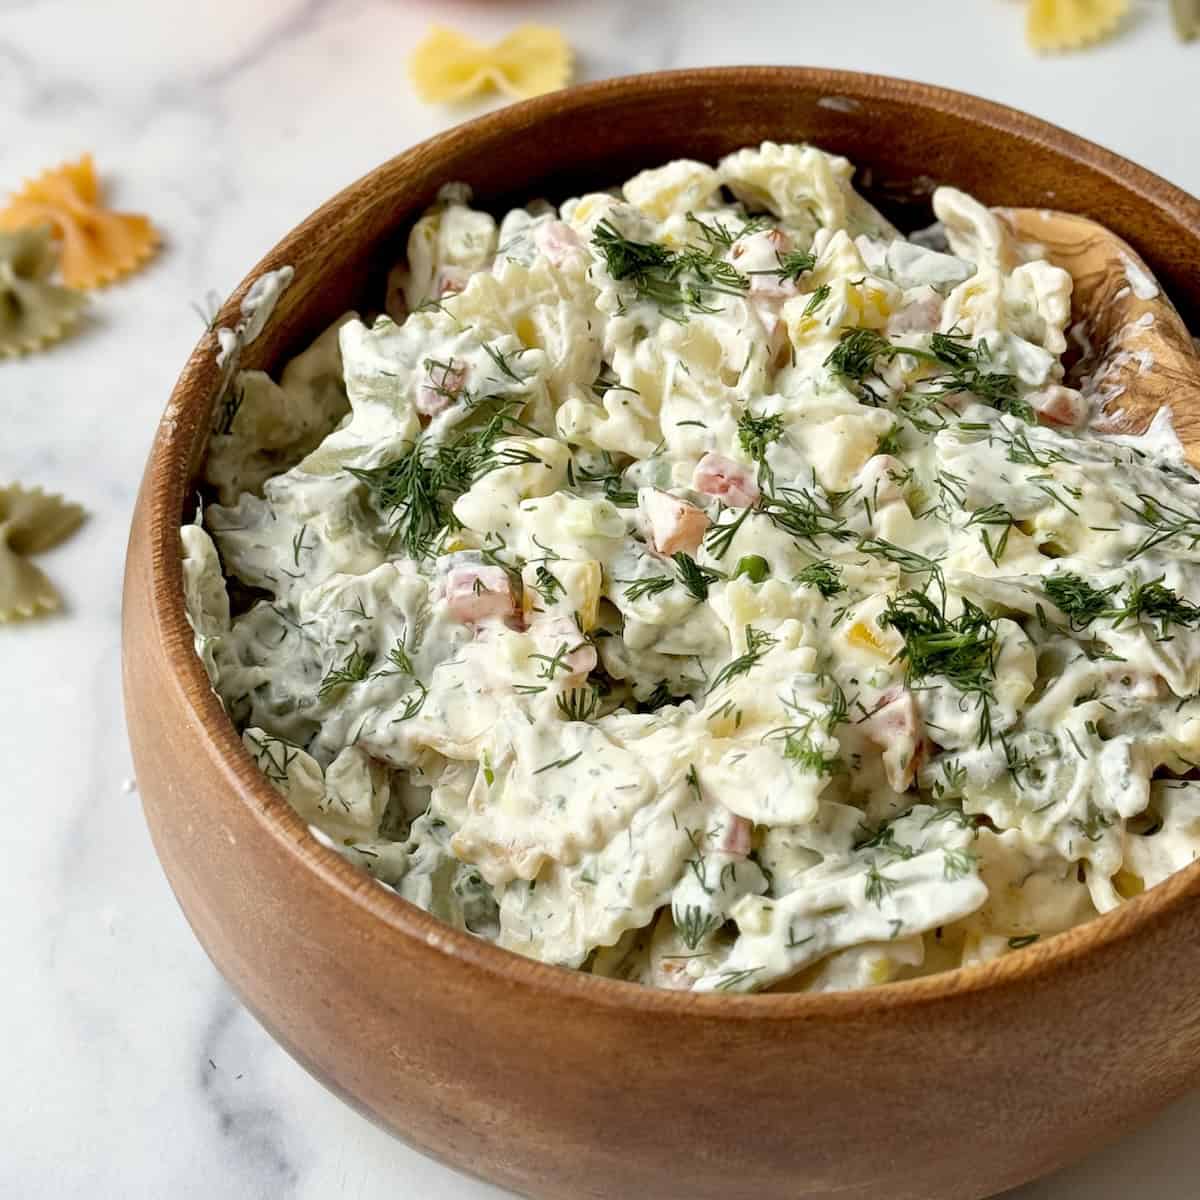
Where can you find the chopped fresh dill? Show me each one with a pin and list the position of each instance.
(816, 299)
(675, 281)
(650, 586)
(719, 537)
(995, 516)
(732, 978)
(399, 657)
(962, 650)
(503, 363)
(878, 885)
(805, 515)
(1154, 601)
(559, 762)
(825, 576)
(548, 584)
(1076, 599)
(354, 669)
(606, 381)
(695, 578)
(579, 704)
(693, 924)
(957, 864)
(755, 434)
(758, 642)
(791, 265)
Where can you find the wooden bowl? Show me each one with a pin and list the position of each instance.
(557, 1084)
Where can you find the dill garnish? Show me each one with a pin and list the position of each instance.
(857, 354)
(415, 492)
(801, 513)
(651, 586)
(792, 264)
(548, 584)
(694, 577)
(354, 669)
(1156, 602)
(824, 576)
(758, 643)
(719, 537)
(579, 704)
(1164, 523)
(732, 978)
(962, 650)
(694, 924)
(816, 299)
(606, 381)
(674, 280)
(503, 365)
(755, 434)
(996, 516)
(877, 886)
(559, 762)
(957, 864)
(1076, 599)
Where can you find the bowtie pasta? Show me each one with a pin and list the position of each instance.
(705, 585)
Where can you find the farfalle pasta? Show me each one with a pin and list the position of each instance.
(703, 584)
(97, 245)
(1072, 24)
(33, 310)
(31, 521)
(448, 67)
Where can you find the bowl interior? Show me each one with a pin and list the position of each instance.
(904, 138)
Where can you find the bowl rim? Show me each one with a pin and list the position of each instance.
(166, 490)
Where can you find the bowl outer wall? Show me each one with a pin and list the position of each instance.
(552, 1083)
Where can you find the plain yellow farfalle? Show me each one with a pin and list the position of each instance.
(1071, 24)
(33, 311)
(31, 521)
(98, 245)
(449, 66)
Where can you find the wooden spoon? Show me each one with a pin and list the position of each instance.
(1137, 355)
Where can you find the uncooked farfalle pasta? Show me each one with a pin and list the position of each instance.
(31, 522)
(34, 311)
(1071, 24)
(447, 66)
(97, 245)
(708, 585)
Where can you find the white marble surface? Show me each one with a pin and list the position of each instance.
(129, 1071)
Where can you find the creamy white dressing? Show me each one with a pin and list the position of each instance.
(716, 594)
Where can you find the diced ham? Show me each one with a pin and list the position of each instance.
(450, 281)
(875, 480)
(479, 592)
(1059, 405)
(758, 255)
(772, 288)
(735, 837)
(895, 726)
(921, 315)
(674, 525)
(442, 387)
(580, 659)
(557, 241)
(729, 481)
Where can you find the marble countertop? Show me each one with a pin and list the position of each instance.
(130, 1069)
